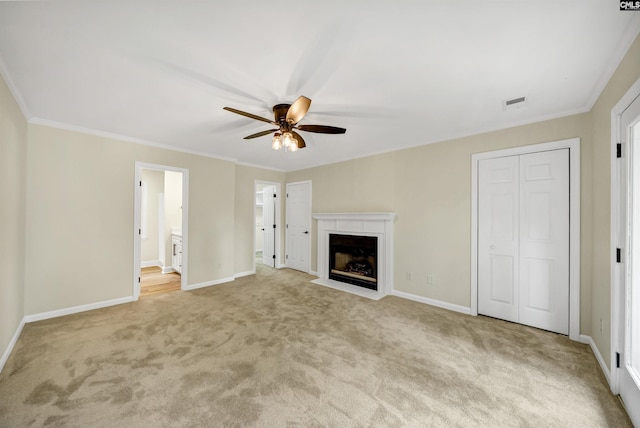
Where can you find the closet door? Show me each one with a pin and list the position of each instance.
(498, 246)
(523, 239)
(544, 240)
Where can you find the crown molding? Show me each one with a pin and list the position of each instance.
(120, 137)
(17, 95)
(630, 34)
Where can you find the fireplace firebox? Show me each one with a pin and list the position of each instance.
(353, 259)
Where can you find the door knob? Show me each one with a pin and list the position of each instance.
(306, 232)
(492, 247)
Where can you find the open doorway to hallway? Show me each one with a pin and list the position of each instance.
(161, 229)
(153, 281)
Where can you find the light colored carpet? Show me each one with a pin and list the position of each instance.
(273, 350)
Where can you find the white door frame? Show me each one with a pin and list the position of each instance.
(277, 217)
(308, 269)
(139, 166)
(573, 144)
(616, 285)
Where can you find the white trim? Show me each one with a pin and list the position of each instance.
(432, 302)
(618, 54)
(355, 216)
(616, 112)
(588, 340)
(12, 344)
(168, 269)
(242, 274)
(76, 309)
(313, 272)
(208, 283)
(253, 165)
(137, 253)
(120, 137)
(151, 263)
(17, 95)
(573, 144)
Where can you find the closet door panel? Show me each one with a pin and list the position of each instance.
(498, 238)
(544, 240)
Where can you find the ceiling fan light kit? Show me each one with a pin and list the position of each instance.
(285, 140)
(286, 118)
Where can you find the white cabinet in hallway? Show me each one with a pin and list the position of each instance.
(176, 253)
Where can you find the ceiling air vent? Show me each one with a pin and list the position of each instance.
(514, 103)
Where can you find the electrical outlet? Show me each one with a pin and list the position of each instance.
(409, 276)
(430, 279)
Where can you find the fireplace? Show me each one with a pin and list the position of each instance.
(371, 271)
(353, 259)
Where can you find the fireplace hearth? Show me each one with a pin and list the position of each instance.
(353, 259)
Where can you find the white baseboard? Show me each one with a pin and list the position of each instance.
(432, 302)
(247, 273)
(75, 309)
(168, 269)
(12, 343)
(589, 341)
(151, 263)
(313, 272)
(208, 283)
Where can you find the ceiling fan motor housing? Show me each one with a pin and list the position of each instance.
(280, 112)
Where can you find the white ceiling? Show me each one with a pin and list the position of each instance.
(394, 73)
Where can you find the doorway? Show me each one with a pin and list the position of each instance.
(625, 232)
(160, 228)
(479, 255)
(267, 224)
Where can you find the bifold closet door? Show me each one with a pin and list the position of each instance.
(523, 239)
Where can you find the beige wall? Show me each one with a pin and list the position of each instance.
(13, 167)
(246, 177)
(79, 221)
(625, 76)
(149, 246)
(429, 188)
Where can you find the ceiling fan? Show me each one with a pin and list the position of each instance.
(286, 118)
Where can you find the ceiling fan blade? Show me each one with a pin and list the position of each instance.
(301, 144)
(322, 129)
(259, 134)
(252, 116)
(298, 109)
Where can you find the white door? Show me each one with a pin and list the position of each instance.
(269, 226)
(523, 239)
(298, 229)
(628, 354)
(498, 238)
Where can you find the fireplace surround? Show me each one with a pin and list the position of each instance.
(377, 226)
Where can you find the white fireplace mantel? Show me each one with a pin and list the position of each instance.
(377, 224)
